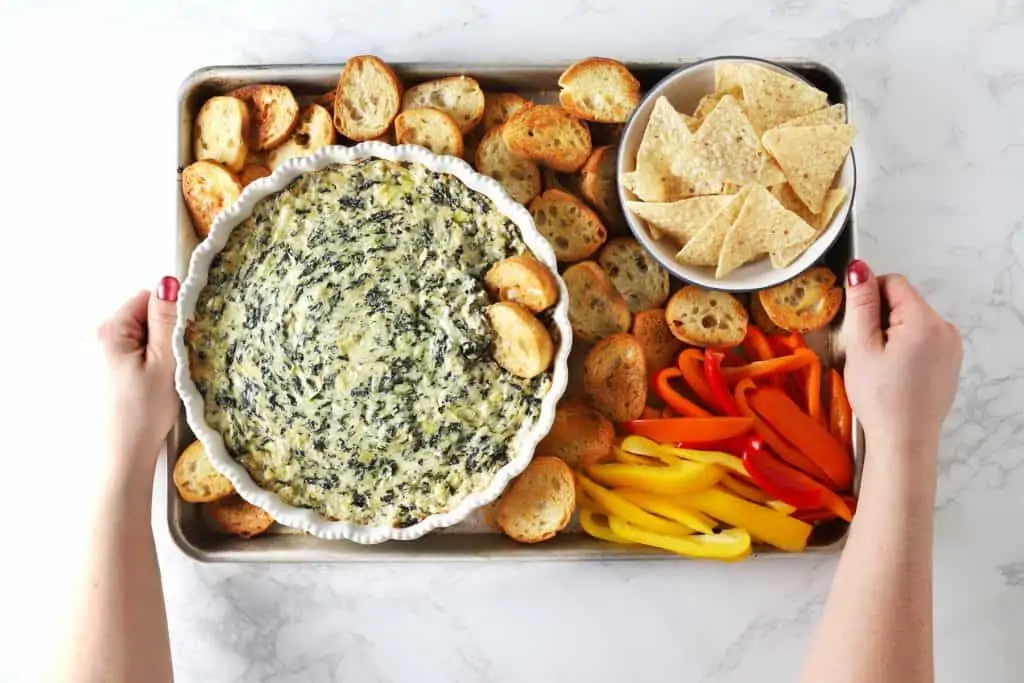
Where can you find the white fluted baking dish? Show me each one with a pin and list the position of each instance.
(306, 519)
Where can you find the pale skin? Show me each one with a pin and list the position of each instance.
(877, 625)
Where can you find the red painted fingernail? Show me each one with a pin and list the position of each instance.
(857, 272)
(168, 289)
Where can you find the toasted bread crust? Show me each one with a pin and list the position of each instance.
(660, 347)
(549, 135)
(807, 302)
(701, 317)
(499, 107)
(636, 274)
(599, 89)
(430, 128)
(273, 112)
(518, 176)
(596, 309)
(458, 96)
(523, 345)
(580, 435)
(195, 478)
(598, 187)
(368, 98)
(251, 173)
(539, 503)
(524, 280)
(615, 377)
(221, 131)
(314, 130)
(207, 188)
(573, 229)
(236, 516)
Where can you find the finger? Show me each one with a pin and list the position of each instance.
(903, 301)
(163, 314)
(863, 324)
(125, 332)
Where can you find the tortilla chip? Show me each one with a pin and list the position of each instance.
(763, 226)
(772, 98)
(679, 220)
(785, 256)
(810, 157)
(727, 76)
(726, 149)
(704, 247)
(665, 138)
(708, 103)
(834, 115)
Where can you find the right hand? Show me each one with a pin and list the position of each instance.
(902, 378)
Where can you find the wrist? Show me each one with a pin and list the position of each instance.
(901, 469)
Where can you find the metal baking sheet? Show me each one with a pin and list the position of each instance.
(471, 540)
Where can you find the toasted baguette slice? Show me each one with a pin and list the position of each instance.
(524, 280)
(430, 128)
(520, 177)
(807, 302)
(598, 89)
(550, 136)
(597, 185)
(580, 435)
(327, 99)
(273, 112)
(208, 188)
(499, 107)
(596, 309)
(539, 503)
(523, 345)
(315, 130)
(760, 317)
(221, 131)
(557, 180)
(195, 478)
(573, 229)
(235, 516)
(635, 273)
(368, 97)
(660, 347)
(251, 173)
(458, 96)
(615, 377)
(701, 317)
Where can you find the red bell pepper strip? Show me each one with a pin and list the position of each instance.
(791, 455)
(690, 362)
(713, 374)
(790, 485)
(804, 432)
(840, 415)
(733, 446)
(672, 398)
(756, 347)
(697, 430)
(798, 360)
(812, 381)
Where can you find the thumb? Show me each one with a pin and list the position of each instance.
(162, 316)
(863, 325)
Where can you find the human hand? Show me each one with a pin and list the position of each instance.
(142, 403)
(901, 378)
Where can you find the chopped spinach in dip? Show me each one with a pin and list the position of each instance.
(341, 347)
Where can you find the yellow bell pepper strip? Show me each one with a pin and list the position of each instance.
(591, 522)
(632, 459)
(790, 485)
(690, 363)
(812, 390)
(713, 375)
(840, 415)
(728, 545)
(679, 477)
(781, 508)
(670, 455)
(689, 429)
(672, 398)
(745, 490)
(763, 523)
(799, 360)
(614, 504)
(788, 453)
(669, 509)
(805, 433)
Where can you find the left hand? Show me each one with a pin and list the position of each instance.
(142, 401)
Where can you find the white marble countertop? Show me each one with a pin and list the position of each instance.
(938, 94)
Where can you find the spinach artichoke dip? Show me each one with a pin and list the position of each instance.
(342, 349)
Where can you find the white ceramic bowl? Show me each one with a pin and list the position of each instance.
(308, 520)
(683, 89)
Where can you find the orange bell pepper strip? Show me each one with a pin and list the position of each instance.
(690, 362)
(672, 398)
(724, 401)
(756, 347)
(812, 382)
(613, 504)
(689, 429)
(763, 523)
(680, 477)
(731, 544)
(801, 358)
(788, 453)
(669, 509)
(792, 486)
(804, 432)
(840, 415)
